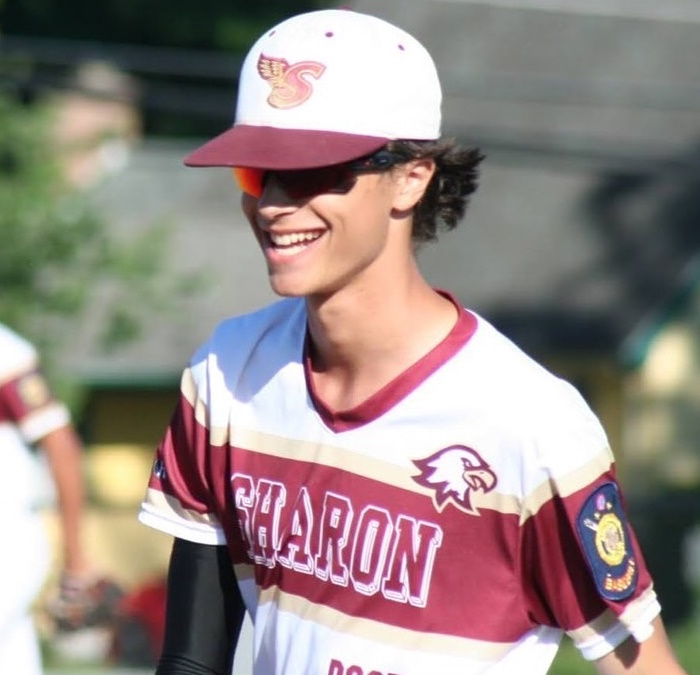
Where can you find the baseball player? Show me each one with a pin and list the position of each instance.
(382, 480)
(30, 416)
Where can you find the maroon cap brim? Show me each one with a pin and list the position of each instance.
(275, 148)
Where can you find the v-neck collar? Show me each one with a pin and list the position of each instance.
(402, 385)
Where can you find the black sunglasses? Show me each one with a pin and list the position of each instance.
(305, 183)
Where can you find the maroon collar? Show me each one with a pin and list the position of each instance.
(402, 385)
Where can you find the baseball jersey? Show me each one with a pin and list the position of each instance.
(459, 521)
(28, 412)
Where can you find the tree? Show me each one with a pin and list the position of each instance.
(56, 250)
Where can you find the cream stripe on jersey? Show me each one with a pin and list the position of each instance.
(188, 390)
(188, 387)
(327, 455)
(359, 464)
(387, 635)
(592, 631)
(362, 465)
(367, 467)
(566, 484)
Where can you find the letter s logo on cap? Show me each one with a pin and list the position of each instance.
(290, 87)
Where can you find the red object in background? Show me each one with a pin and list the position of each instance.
(140, 628)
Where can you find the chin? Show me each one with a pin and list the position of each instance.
(288, 284)
(287, 289)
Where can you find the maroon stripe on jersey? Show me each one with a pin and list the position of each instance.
(22, 396)
(5, 411)
(400, 387)
(556, 576)
(181, 464)
(370, 550)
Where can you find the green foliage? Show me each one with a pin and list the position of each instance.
(57, 253)
(45, 229)
(569, 661)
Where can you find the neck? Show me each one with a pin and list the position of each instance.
(364, 337)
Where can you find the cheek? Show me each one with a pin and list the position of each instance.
(249, 206)
(366, 224)
(372, 207)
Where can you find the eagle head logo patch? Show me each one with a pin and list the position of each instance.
(289, 82)
(454, 474)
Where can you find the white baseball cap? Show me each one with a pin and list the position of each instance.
(326, 87)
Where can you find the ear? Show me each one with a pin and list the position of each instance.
(413, 182)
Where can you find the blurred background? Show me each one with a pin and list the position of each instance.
(582, 243)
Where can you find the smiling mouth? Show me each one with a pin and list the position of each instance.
(291, 243)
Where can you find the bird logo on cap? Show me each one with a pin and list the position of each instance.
(290, 84)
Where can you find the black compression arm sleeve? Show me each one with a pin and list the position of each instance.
(204, 611)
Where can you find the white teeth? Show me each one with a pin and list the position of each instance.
(293, 238)
(290, 250)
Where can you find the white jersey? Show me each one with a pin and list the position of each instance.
(27, 413)
(459, 521)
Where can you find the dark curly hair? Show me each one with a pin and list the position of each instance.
(447, 196)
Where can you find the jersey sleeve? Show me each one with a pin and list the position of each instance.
(179, 497)
(583, 570)
(26, 400)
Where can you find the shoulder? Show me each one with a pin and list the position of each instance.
(509, 373)
(17, 355)
(546, 412)
(246, 349)
(273, 319)
(268, 326)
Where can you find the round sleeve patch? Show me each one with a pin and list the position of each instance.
(605, 537)
(33, 390)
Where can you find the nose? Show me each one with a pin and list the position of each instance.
(273, 203)
(274, 194)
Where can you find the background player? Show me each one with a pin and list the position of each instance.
(30, 416)
(400, 489)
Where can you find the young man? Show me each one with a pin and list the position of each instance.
(31, 416)
(398, 488)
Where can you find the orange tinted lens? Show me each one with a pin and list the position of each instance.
(249, 180)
